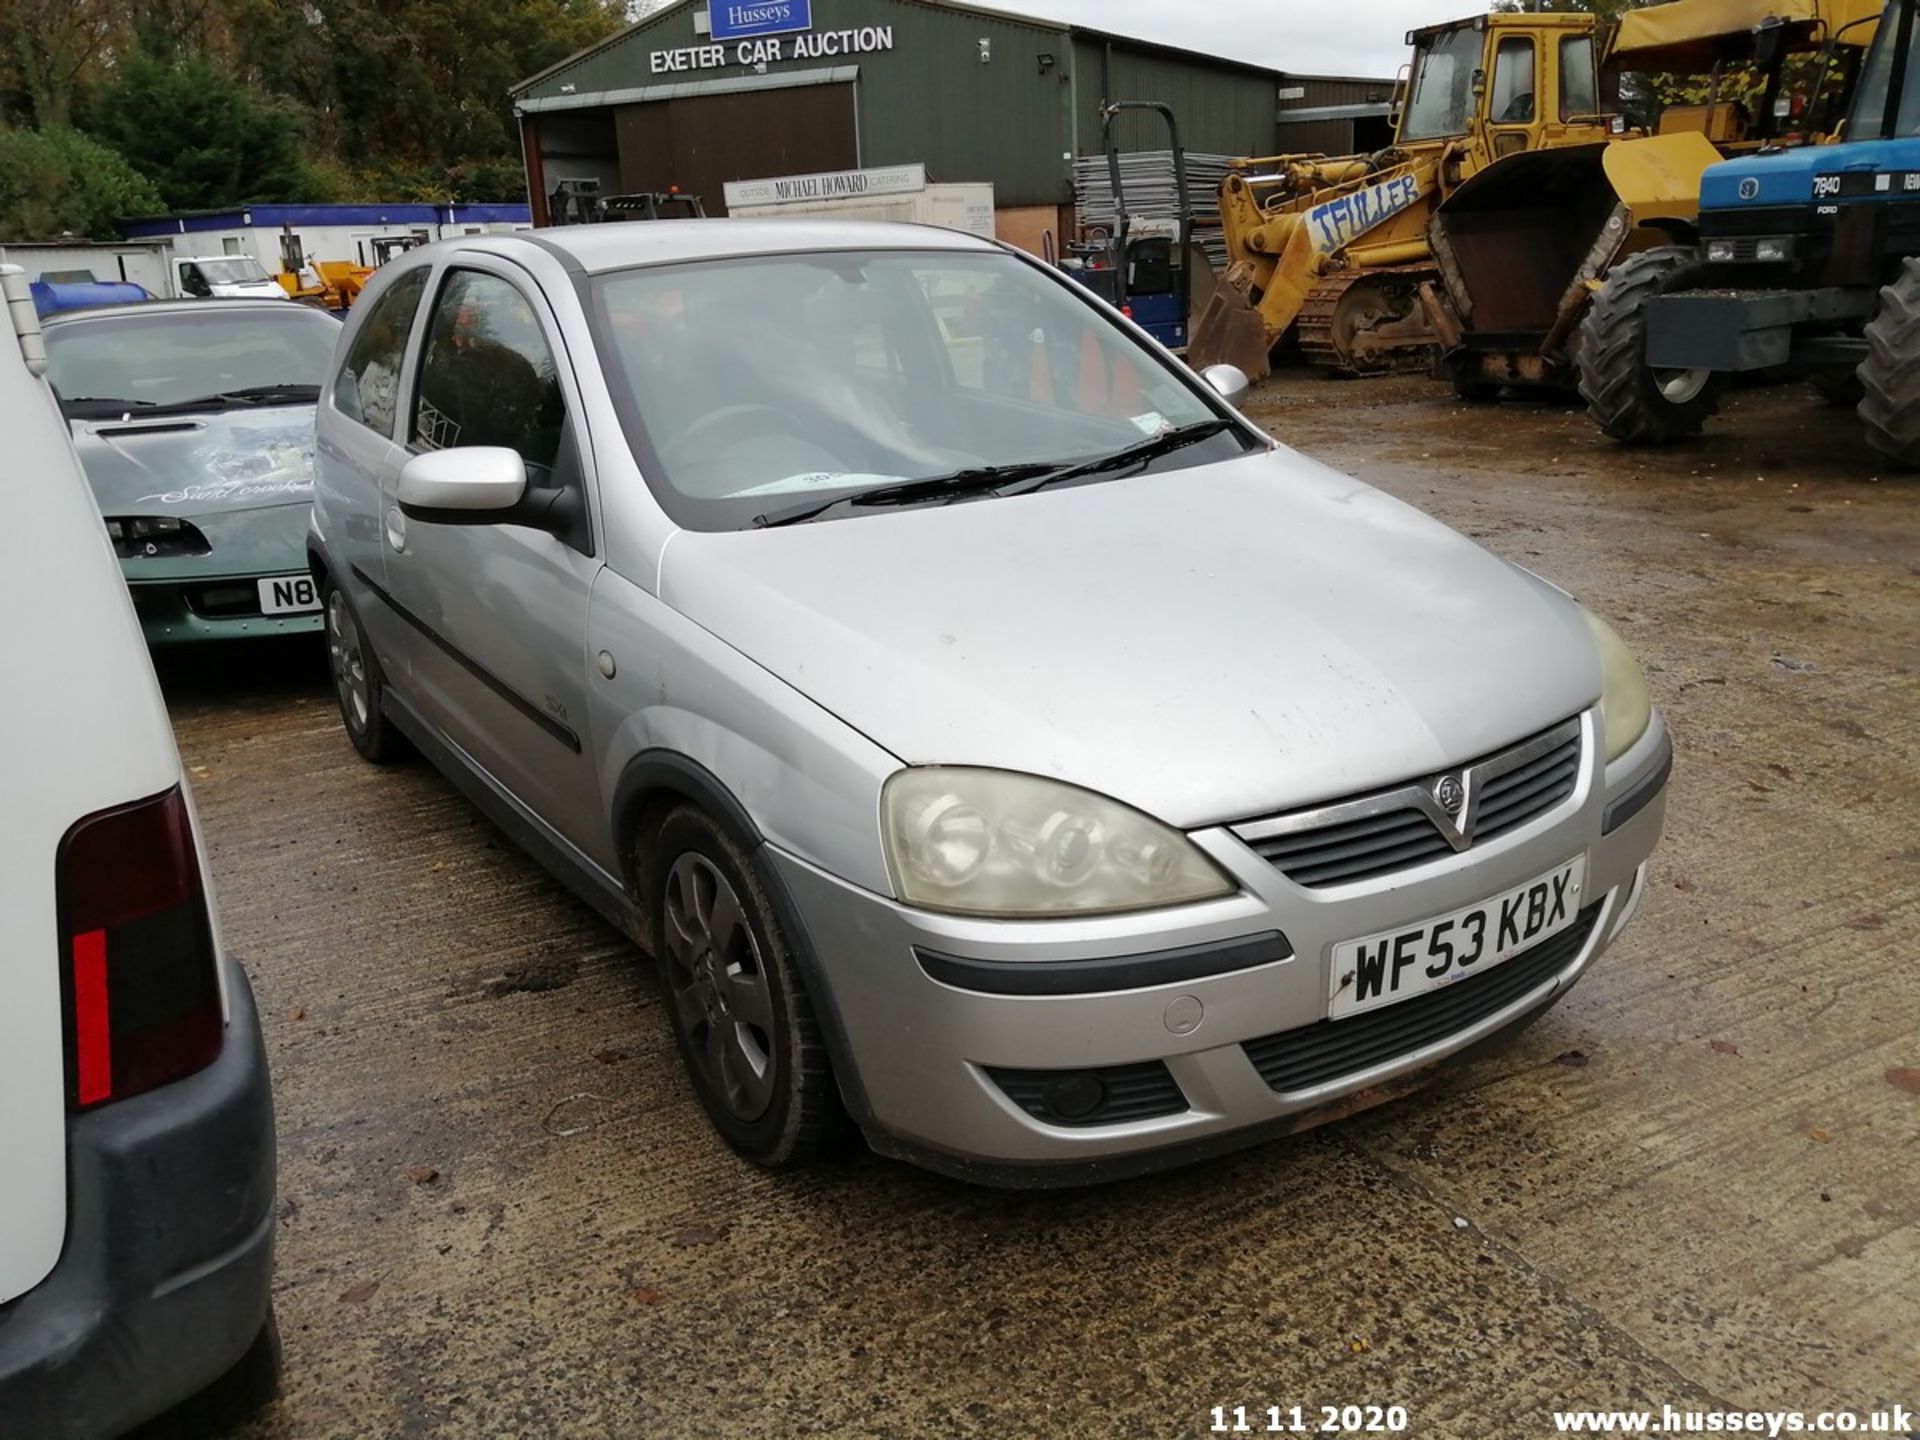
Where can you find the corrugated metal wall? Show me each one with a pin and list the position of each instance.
(1013, 119)
(1330, 137)
(930, 98)
(1222, 110)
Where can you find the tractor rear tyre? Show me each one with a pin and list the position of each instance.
(1632, 403)
(1839, 387)
(1890, 374)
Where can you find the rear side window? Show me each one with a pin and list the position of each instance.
(487, 374)
(1579, 87)
(368, 386)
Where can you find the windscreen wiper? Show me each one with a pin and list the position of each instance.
(250, 395)
(105, 404)
(1165, 443)
(986, 479)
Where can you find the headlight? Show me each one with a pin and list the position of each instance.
(993, 842)
(1626, 708)
(1773, 252)
(1722, 252)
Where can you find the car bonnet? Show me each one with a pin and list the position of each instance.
(1206, 644)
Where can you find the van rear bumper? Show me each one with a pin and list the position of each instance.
(166, 1276)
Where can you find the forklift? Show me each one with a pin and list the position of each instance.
(1143, 267)
(1807, 263)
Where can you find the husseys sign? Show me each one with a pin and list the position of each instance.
(757, 33)
(816, 45)
(746, 19)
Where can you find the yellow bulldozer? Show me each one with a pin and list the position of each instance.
(1523, 247)
(1339, 252)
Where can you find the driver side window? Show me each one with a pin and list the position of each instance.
(1513, 84)
(488, 375)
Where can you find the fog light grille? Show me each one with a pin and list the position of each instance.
(1105, 1095)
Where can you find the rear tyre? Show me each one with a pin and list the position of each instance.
(1632, 403)
(740, 1012)
(358, 681)
(1839, 387)
(1890, 375)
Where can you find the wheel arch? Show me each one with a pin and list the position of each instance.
(654, 783)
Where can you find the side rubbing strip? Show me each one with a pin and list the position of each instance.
(479, 672)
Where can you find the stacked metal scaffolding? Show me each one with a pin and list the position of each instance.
(1148, 177)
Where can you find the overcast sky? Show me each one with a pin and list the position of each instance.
(1318, 37)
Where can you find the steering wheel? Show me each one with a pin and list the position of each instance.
(747, 419)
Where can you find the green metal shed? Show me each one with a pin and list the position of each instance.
(972, 93)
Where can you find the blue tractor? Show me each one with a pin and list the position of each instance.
(1806, 265)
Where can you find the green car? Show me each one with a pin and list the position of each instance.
(194, 422)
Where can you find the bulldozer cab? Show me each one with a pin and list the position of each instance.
(1509, 82)
(1746, 74)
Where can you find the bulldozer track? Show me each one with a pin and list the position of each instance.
(1319, 322)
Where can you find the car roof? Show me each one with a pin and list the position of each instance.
(168, 307)
(623, 244)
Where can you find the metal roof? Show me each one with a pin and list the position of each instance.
(986, 12)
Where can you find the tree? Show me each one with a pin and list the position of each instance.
(47, 48)
(56, 182)
(201, 136)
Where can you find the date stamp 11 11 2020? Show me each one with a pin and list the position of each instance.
(1308, 1420)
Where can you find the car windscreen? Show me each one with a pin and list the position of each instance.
(750, 386)
(179, 357)
(241, 270)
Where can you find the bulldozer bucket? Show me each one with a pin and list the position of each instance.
(1230, 331)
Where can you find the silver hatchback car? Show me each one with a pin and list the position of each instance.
(995, 738)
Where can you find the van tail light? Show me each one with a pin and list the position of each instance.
(140, 984)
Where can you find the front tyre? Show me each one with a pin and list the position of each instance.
(1890, 375)
(1632, 403)
(741, 1015)
(358, 681)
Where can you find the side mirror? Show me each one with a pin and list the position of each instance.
(1229, 382)
(1479, 82)
(477, 485)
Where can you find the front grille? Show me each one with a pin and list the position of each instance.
(1396, 829)
(222, 602)
(1101, 1095)
(1508, 801)
(1328, 1050)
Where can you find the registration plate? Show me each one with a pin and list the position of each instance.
(288, 595)
(1399, 964)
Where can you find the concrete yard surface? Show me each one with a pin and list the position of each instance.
(1696, 1182)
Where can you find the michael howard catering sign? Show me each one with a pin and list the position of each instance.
(743, 19)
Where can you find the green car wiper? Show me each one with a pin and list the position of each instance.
(251, 395)
(986, 479)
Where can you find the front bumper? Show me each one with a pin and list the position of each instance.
(165, 1278)
(944, 1072)
(173, 611)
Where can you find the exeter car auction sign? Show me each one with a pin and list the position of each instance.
(744, 19)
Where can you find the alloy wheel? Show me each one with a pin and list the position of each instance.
(348, 662)
(718, 986)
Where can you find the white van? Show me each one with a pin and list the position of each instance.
(224, 277)
(136, 1118)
